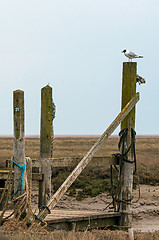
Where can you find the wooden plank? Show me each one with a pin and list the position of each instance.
(4, 174)
(75, 215)
(87, 158)
(78, 220)
(73, 161)
(81, 220)
(35, 176)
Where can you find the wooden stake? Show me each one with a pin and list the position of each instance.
(45, 144)
(126, 168)
(29, 181)
(46, 122)
(19, 144)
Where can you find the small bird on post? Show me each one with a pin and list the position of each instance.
(130, 54)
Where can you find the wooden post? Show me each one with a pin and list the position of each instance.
(87, 158)
(29, 182)
(45, 144)
(126, 168)
(128, 91)
(19, 144)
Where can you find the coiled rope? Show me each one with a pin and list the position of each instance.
(122, 157)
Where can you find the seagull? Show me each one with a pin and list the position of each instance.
(130, 54)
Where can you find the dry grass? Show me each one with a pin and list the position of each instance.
(87, 235)
(14, 230)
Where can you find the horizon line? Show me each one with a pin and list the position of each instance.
(82, 136)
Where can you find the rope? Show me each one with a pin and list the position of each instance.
(22, 210)
(53, 110)
(20, 184)
(122, 157)
(7, 192)
(21, 201)
(42, 208)
(43, 222)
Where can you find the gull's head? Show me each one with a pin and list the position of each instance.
(124, 51)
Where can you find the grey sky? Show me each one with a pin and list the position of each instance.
(76, 47)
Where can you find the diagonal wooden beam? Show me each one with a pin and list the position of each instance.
(87, 158)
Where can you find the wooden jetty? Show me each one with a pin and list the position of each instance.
(81, 220)
(68, 220)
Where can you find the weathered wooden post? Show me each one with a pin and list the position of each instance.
(45, 144)
(126, 168)
(19, 143)
(29, 182)
(128, 91)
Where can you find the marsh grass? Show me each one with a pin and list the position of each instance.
(87, 235)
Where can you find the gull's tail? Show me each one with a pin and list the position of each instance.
(140, 56)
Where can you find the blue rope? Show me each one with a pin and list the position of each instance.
(20, 184)
(42, 208)
(37, 218)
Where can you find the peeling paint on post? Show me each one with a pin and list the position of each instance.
(45, 144)
(19, 143)
(126, 169)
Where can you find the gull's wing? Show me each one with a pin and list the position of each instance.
(132, 54)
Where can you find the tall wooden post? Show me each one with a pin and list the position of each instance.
(45, 144)
(128, 91)
(126, 168)
(19, 144)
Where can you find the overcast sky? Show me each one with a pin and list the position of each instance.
(75, 46)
